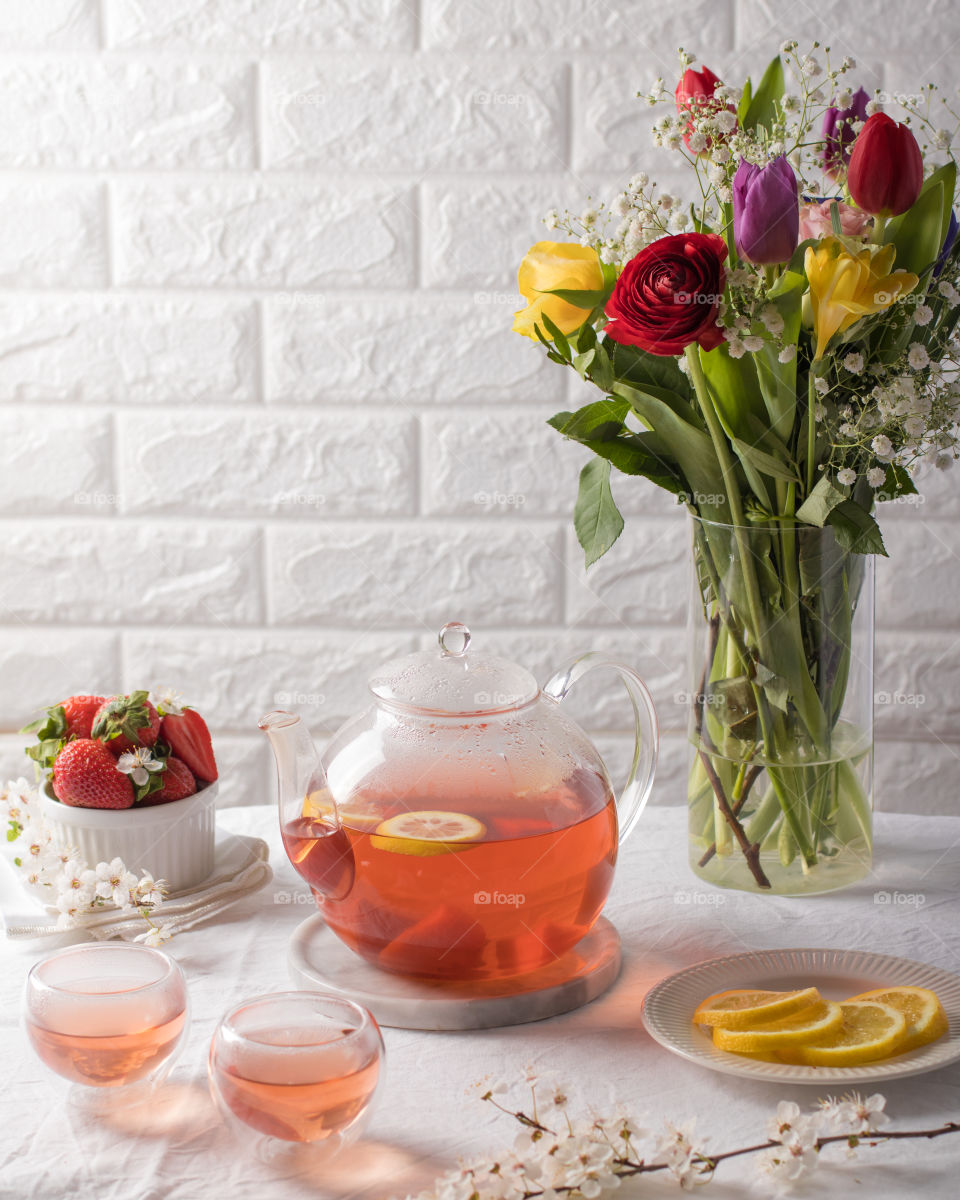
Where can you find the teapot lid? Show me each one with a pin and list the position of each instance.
(452, 682)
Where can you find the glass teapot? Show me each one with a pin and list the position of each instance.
(462, 827)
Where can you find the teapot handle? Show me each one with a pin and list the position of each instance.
(636, 790)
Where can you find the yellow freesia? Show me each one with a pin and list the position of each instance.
(846, 286)
(556, 266)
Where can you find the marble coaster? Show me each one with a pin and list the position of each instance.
(318, 959)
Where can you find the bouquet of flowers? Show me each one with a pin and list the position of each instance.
(780, 354)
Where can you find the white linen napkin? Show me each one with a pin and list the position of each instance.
(241, 866)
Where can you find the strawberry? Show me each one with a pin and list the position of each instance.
(85, 775)
(189, 739)
(127, 721)
(79, 712)
(178, 782)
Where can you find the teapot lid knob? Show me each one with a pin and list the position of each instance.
(454, 638)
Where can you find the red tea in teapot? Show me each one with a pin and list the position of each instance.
(482, 890)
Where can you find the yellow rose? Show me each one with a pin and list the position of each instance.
(549, 267)
(846, 286)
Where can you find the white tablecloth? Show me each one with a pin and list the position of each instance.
(426, 1118)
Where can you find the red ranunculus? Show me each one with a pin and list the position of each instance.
(886, 167)
(668, 296)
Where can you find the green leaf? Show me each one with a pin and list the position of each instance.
(855, 529)
(899, 482)
(559, 339)
(600, 419)
(581, 362)
(820, 503)
(762, 109)
(14, 831)
(746, 96)
(53, 725)
(775, 688)
(639, 454)
(690, 448)
(916, 234)
(596, 518)
(778, 381)
(768, 464)
(734, 387)
(580, 299)
(638, 367)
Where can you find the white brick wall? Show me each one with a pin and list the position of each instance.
(263, 421)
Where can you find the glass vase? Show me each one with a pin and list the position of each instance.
(781, 708)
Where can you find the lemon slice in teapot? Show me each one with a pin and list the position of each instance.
(427, 832)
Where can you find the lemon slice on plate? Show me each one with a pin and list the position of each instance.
(741, 1009)
(809, 1025)
(427, 833)
(868, 1031)
(926, 1020)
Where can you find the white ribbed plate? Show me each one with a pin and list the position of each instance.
(669, 1006)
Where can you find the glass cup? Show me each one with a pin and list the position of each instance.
(109, 1018)
(297, 1069)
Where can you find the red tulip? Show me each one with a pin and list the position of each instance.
(694, 95)
(886, 168)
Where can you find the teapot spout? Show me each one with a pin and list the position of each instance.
(313, 835)
(299, 773)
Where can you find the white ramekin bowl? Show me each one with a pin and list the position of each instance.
(172, 841)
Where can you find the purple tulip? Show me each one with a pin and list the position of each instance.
(766, 211)
(838, 134)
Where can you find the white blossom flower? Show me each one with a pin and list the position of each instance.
(873, 107)
(915, 427)
(882, 447)
(942, 139)
(115, 882)
(848, 63)
(138, 763)
(843, 99)
(772, 320)
(167, 699)
(948, 291)
(865, 1116)
(917, 356)
(721, 153)
(735, 346)
(846, 477)
(752, 343)
(853, 362)
(922, 314)
(551, 219)
(847, 430)
(790, 103)
(822, 385)
(588, 218)
(697, 141)
(810, 67)
(155, 936)
(876, 477)
(787, 354)
(639, 182)
(784, 1164)
(726, 121)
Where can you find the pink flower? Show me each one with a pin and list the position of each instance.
(815, 221)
